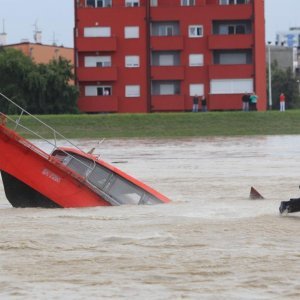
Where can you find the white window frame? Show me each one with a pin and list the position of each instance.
(99, 31)
(92, 90)
(132, 91)
(195, 31)
(97, 61)
(105, 3)
(231, 86)
(153, 3)
(196, 89)
(132, 3)
(232, 2)
(188, 2)
(131, 32)
(196, 60)
(132, 61)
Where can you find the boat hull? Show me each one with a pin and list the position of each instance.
(37, 170)
(20, 194)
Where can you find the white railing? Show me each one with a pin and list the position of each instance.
(55, 134)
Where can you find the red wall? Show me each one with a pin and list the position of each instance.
(118, 47)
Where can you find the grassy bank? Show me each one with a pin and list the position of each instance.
(163, 125)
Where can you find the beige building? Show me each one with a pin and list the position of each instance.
(41, 53)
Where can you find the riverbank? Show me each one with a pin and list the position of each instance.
(171, 125)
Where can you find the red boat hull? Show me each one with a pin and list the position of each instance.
(40, 172)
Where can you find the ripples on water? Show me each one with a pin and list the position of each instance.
(212, 242)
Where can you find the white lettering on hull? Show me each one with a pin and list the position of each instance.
(51, 175)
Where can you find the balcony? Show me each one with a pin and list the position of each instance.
(167, 42)
(235, 41)
(231, 71)
(168, 103)
(97, 74)
(90, 44)
(167, 72)
(225, 102)
(97, 104)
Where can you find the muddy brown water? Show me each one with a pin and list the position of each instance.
(211, 242)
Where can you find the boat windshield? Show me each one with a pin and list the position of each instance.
(118, 188)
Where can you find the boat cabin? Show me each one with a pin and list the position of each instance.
(117, 189)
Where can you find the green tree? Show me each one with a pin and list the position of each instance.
(39, 88)
(284, 81)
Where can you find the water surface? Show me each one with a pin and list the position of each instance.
(211, 242)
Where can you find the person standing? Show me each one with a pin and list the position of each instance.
(245, 100)
(203, 104)
(195, 103)
(282, 102)
(253, 101)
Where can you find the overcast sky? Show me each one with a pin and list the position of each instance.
(55, 18)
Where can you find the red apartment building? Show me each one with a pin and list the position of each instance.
(155, 55)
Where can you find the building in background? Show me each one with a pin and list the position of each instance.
(289, 38)
(286, 57)
(155, 55)
(41, 53)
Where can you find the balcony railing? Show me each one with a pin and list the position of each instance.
(97, 74)
(167, 72)
(228, 41)
(167, 42)
(88, 44)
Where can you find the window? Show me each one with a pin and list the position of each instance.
(187, 2)
(238, 57)
(132, 32)
(97, 32)
(98, 3)
(103, 3)
(195, 60)
(125, 192)
(132, 3)
(165, 28)
(166, 87)
(132, 61)
(165, 58)
(154, 3)
(99, 176)
(132, 91)
(197, 89)
(97, 61)
(195, 31)
(227, 2)
(231, 86)
(232, 27)
(104, 91)
(95, 90)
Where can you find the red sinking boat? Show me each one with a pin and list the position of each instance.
(67, 177)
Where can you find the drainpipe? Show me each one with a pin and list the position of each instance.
(148, 54)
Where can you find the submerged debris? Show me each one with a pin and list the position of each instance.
(254, 194)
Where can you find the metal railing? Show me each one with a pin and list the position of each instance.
(54, 133)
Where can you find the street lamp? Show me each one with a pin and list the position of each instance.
(270, 75)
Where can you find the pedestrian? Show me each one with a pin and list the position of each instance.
(195, 103)
(245, 100)
(203, 104)
(282, 102)
(253, 101)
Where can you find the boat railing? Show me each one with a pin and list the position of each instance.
(53, 133)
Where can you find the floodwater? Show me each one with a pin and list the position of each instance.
(211, 242)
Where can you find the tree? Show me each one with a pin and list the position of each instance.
(284, 81)
(39, 88)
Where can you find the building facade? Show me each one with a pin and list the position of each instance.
(41, 53)
(155, 55)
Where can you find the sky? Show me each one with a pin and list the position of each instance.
(55, 18)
